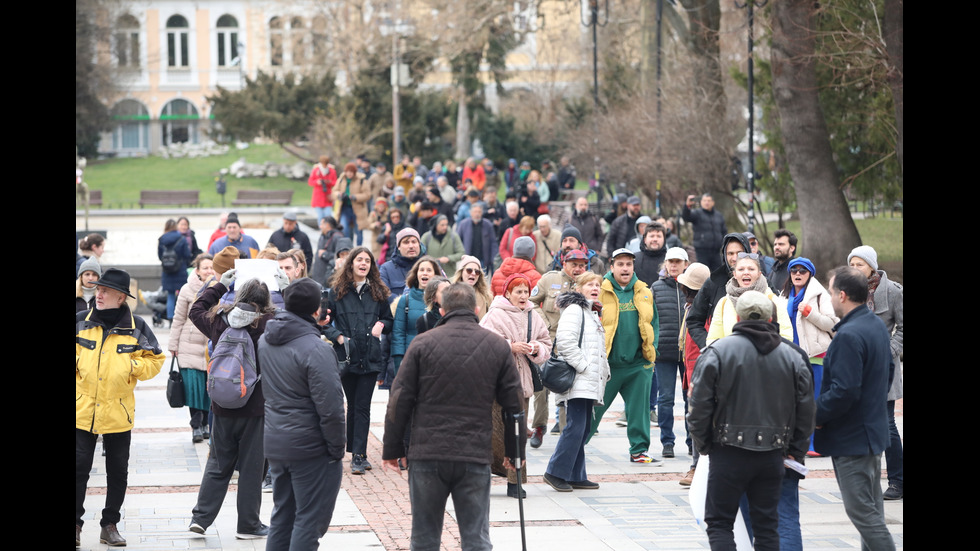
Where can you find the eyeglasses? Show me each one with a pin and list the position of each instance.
(798, 270)
(472, 271)
(753, 256)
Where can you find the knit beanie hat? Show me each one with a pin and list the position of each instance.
(467, 259)
(571, 231)
(865, 253)
(524, 247)
(225, 260)
(90, 265)
(302, 296)
(406, 232)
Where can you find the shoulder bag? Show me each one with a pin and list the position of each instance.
(556, 375)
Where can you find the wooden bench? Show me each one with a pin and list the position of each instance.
(169, 197)
(263, 197)
(94, 198)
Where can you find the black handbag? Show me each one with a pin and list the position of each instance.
(175, 387)
(556, 375)
(535, 370)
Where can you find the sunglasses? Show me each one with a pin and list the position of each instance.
(798, 270)
(753, 256)
(472, 271)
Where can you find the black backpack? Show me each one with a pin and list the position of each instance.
(169, 260)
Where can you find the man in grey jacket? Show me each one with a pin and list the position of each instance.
(305, 434)
(751, 407)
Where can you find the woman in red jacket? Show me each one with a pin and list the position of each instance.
(322, 179)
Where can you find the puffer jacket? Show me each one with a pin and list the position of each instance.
(508, 267)
(394, 271)
(752, 391)
(816, 330)
(108, 362)
(186, 341)
(354, 315)
(407, 310)
(670, 301)
(510, 322)
(890, 308)
(304, 400)
(589, 359)
(643, 301)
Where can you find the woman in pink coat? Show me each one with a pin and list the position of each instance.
(509, 317)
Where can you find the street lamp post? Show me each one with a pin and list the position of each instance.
(593, 7)
(750, 176)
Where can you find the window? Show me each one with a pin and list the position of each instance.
(275, 41)
(179, 122)
(319, 38)
(177, 42)
(297, 32)
(132, 126)
(127, 42)
(227, 41)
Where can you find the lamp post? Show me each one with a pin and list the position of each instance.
(399, 76)
(750, 175)
(594, 22)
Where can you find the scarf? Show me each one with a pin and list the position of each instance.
(873, 283)
(792, 306)
(734, 291)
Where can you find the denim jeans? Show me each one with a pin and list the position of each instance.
(859, 478)
(894, 454)
(322, 212)
(304, 492)
(790, 536)
(349, 221)
(666, 375)
(430, 483)
(568, 460)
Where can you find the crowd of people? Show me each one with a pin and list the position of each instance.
(409, 259)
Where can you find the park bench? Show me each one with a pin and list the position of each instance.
(94, 198)
(263, 197)
(168, 197)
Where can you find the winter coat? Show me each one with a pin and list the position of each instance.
(510, 322)
(354, 316)
(589, 359)
(322, 179)
(304, 400)
(545, 293)
(724, 318)
(450, 378)
(468, 231)
(648, 262)
(621, 230)
(549, 246)
(643, 301)
(80, 304)
(214, 327)
(450, 247)
(360, 197)
(815, 330)
(407, 310)
(186, 341)
(284, 242)
(108, 362)
(512, 265)
(708, 225)
(890, 308)
(173, 281)
(506, 248)
(590, 228)
(393, 273)
(670, 301)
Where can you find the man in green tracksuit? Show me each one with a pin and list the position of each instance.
(630, 321)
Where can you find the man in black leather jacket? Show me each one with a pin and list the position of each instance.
(751, 406)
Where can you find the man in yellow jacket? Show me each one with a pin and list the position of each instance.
(113, 349)
(629, 318)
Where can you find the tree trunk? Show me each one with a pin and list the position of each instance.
(895, 47)
(462, 125)
(828, 230)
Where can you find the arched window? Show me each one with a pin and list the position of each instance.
(227, 41)
(299, 42)
(275, 42)
(179, 122)
(177, 42)
(319, 38)
(132, 125)
(127, 42)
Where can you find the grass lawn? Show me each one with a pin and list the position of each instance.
(122, 179)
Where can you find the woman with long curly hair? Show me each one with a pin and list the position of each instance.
(359, 312)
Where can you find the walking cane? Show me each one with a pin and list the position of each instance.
(518, 427)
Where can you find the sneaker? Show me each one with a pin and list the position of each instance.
(893, 492)
(206, 431)
(357, 464)
(584, 485)
(262, 532)
(512, 491)
(812, 453)
(653, 418)
(558, 484)
(688, 478)
(621, 422)
(267, 483)
(644, 458)
(537, 437)
(197, 436)
(556, 429)
(668, 451)
(196, 528)
(366, 463)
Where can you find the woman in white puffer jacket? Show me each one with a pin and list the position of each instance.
(580, 316)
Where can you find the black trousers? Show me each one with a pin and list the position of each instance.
(758, 475)
(116, 467)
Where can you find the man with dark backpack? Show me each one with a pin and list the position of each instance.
(237, 430)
